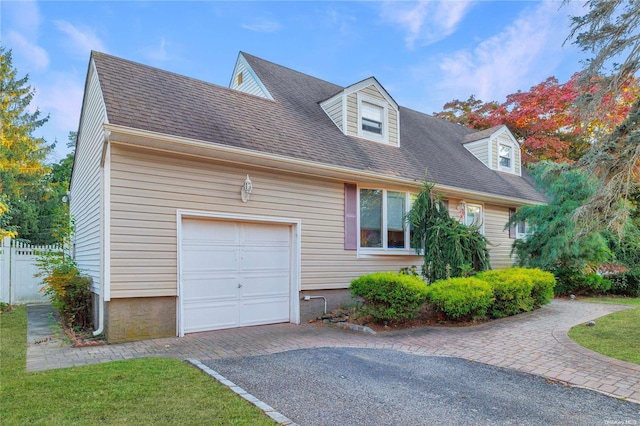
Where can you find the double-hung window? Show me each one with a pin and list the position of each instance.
(382, 220)
(505, 157)
(372, 117)
(473, 216)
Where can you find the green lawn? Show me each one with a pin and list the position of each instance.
(145, 391)
(616, 335)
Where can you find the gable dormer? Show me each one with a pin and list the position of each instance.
(245, 79)
(367, 111)
(497, 148)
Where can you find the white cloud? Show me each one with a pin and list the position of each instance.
(30, 52)
(264, 26)
(523, 54)
(21, 25)
(158, 53)
(426, 22)
(61, 98)
(83, 40)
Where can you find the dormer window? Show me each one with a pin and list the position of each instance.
(371, 118)
(505, 157)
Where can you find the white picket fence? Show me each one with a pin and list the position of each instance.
(17, 269)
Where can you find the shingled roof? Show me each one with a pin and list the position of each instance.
(293, 124)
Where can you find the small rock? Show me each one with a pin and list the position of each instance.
(591, 323)
(572, 297)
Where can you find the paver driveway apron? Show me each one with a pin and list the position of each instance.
(534, 342)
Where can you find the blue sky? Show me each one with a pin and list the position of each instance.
(424, 53)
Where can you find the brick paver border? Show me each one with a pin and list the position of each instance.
(534, 342)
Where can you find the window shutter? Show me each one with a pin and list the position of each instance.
(350, 216)
(512, 226)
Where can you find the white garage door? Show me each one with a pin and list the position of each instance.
(234, 274)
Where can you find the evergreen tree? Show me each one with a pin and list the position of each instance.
(449, 248)
(554, 243)
(22, 155)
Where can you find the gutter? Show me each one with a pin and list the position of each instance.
(170, 143)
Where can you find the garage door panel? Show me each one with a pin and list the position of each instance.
(222, 287)
(254, 258)
(264, 311)
(214, 261)
(260, 233)
(265, 286)
(208, 231)
(206, 315)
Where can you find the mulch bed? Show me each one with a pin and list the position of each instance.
(426, 317)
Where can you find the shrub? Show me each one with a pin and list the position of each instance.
(390, 295)
(461, 297)
(626, 284)
(543, 284)
(577, 282)
(68, 290)
(512, 291)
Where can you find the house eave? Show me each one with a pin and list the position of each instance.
(230, 154)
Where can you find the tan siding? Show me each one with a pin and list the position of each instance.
(480, 151)
(494, 154)
(372, 92)
(86, 187)
(352, 115)
(334, 111)
(393, 127)
(495, 218)
(147, 189)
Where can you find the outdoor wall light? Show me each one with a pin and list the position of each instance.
(247, 187)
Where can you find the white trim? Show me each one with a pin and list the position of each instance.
(490, 150)
(251, 73)
(226, 153)
(384, 138)
(296, 257)
(512, 158)
(371, 81)
(366, 252)
(482, 214)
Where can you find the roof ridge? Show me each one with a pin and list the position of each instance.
(108, 56)
(289, 69)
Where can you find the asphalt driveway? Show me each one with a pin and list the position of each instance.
(352, 386)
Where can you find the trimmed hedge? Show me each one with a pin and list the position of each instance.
(390, 295)
(512, 292)
(461, 297)
(543, 284)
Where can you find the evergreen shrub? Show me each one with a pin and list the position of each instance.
(390, 295)
(577, 282)
(543, 284)
(461, 298)
(626, 284)
(512, 291)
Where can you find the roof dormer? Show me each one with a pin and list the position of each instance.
(497, 148)
(245, 79)
(367, 111)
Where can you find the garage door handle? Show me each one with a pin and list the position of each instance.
(239, 285)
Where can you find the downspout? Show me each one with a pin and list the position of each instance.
(105, 163)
